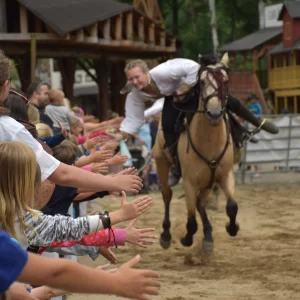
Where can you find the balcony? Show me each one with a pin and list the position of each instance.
(284, 78)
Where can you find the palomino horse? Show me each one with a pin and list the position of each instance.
(206, 155)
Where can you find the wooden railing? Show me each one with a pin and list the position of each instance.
(284, 78)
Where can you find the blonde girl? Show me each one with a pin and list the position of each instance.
(19, 177)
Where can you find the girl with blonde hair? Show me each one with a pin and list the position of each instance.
(31, 227)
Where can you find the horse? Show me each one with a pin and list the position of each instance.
(206, 155)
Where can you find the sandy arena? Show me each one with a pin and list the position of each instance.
(261, 263)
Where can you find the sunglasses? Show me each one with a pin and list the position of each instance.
(12, 92)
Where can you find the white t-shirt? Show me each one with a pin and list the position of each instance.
(11, 130)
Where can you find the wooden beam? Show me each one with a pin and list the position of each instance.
(118, 32)
(129, 26)
(106, 30)
(23, 19)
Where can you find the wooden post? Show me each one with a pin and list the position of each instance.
(129, 26)
(93, 38)
(106, 30)
(80, 35)
(119, 28)
(163, 39)
(32, 57)
(295, 105)
(285, 102)
(23, 19)
(141, 30)
(151, 35)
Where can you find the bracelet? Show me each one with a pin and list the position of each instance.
(112, 130)
(105, 218)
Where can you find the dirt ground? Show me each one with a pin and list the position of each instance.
(261, 263)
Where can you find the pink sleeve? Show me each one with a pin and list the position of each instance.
(97, 133)
(87, 168)
(99, 238)
(81, 139)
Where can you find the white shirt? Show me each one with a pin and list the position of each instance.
(11, 130)
(169, 77)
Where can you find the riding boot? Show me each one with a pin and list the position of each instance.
(175, 173)
(235, 106)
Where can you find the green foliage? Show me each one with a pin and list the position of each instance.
(235, 19)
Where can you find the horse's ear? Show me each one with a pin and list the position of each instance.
(225, 59)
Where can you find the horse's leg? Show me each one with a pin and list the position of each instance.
(207, 242)
(163, 166)
(227, 185)
(191, 226)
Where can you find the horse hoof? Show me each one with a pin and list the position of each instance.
(232, 229)
(207, 246)
(165, 240)
(186, 242)
(165, 244)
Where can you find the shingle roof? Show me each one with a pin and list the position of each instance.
(252, 40)
(64, 16)
(280, 49)
(293, 8)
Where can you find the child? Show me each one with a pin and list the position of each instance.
(57, 111)
(31, 227)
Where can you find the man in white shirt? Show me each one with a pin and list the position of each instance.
(173, 77)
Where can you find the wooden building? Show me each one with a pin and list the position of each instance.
(90, 33)
(284, 67)
(245, 79)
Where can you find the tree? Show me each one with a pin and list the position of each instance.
(213, 24)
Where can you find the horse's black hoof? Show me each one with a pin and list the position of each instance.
(207, 246)
(165, 240)
(232, 229)
(165, 244)
(186, 241)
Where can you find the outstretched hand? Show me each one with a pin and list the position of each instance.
(139, 237)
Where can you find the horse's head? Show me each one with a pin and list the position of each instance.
(214, 88)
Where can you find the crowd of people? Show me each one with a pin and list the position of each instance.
(54, 157)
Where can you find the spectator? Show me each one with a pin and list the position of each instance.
(37, 94)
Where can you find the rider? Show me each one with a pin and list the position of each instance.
(173, 77)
